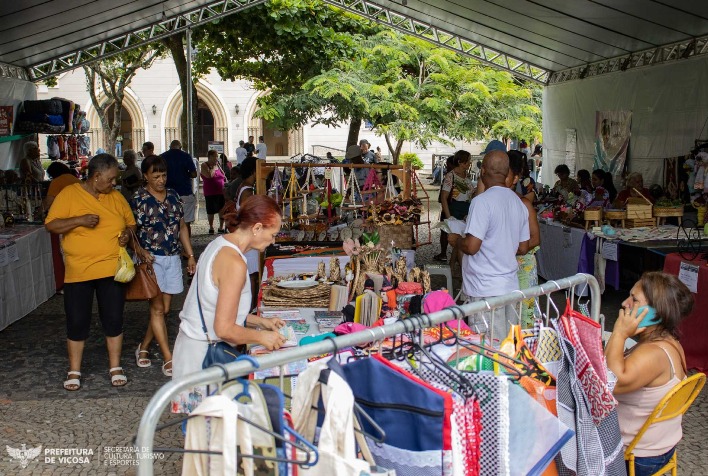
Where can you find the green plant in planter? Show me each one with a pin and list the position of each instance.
(413, 159)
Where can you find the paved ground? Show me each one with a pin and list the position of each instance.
(36, 411)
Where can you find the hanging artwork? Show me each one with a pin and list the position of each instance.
(612, 132)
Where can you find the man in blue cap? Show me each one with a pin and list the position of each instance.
(494, 145)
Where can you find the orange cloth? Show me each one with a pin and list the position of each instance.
(91, 253)
(58, 184)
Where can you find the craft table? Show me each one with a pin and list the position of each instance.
(694, 329)
(26, 271)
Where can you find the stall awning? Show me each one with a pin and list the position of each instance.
(544, 40)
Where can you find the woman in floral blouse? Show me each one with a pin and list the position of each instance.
(162, 234)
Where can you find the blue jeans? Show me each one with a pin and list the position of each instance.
(649, 465)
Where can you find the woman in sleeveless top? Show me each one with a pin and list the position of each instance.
(653, 367)
(213, 178)
(222, 287)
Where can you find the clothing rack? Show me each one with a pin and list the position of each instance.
(214, 375)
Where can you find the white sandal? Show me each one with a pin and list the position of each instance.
(72, 381)
(118, 380)
(142, 362)
(167, 372)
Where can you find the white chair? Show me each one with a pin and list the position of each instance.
(441, 269)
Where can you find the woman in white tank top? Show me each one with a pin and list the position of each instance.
(653, 367)
(222, 286)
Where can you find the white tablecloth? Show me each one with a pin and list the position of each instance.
(560, 250)
(29, 281)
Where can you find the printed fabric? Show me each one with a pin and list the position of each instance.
(158, 222)
(598, 394)
(594, 450)
(461, 188)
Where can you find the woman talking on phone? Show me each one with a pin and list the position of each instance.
(658, 302)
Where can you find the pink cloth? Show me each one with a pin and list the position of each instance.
(214, 185)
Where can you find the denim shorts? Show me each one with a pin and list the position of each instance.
(168, 271)
(648, 465)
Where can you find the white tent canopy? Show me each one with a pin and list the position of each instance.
(549, 41)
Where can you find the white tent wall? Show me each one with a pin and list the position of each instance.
(669, 105)
(12, 93)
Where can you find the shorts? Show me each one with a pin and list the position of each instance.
(78, 305)
(168, 271)
(214, 203)
(189, 205)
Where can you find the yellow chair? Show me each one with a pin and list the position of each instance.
(674, 403)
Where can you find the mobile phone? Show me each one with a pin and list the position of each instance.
(650, 318)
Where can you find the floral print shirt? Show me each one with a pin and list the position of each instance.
(158, 222)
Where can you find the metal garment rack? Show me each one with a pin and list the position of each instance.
(213, 375)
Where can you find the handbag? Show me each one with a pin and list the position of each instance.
(144, 285)
(218, 352)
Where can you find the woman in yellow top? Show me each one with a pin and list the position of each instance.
(94, 220)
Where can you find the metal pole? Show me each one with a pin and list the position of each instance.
(159, 401)
(190, 122)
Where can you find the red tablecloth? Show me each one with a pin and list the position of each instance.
(694, 329)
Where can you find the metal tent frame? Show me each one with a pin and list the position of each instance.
(545, 41)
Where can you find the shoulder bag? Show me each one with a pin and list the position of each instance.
(217, 352)
(144, 285)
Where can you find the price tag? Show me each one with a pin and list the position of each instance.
(688, 275)
(609, 250)
(328, 173)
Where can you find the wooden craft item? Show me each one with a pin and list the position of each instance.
(335, 273)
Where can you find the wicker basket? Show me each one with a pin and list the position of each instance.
(663, 212)
(401, 235)
(639, 208)
(593, 214)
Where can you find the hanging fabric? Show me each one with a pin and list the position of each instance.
(594, 450)
(336, 440)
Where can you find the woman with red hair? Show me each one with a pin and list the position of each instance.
(220, 295)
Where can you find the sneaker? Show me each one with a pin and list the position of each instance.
(211, 231)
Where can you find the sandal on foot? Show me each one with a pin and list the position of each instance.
(167, 372)
(142, 362)
(440, 257)
(72, 382)
(118, 380)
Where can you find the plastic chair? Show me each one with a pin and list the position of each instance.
(441, 269)
(674, 403)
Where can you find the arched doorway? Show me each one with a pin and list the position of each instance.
(212, 121)
(203, 129)
(132, 124)
(280, 143)
(125, 131)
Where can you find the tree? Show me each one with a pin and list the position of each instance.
(280, 45)
(410, 90)
(111, 76)
(176, 47)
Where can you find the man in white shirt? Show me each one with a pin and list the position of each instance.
(497, 229)
(241, 153)
(261, 148)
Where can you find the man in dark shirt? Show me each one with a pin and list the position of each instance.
(180, 172)
(249, 146)
(147, 150)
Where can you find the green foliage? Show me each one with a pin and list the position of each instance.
(280, 44)
(413, 159)
(412, 91)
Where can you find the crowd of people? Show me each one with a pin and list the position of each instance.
(152, 212)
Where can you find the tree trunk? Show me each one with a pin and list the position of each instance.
(176, 47)
(397, 153)
(354, 127)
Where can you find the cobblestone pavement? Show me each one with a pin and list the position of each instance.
(36, 411)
